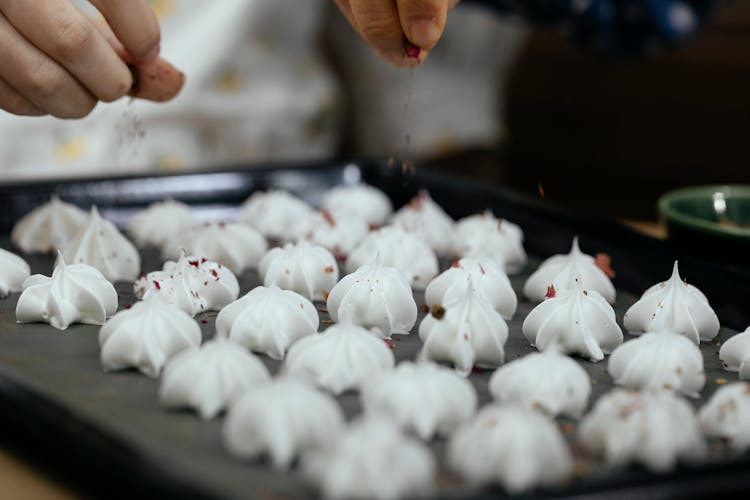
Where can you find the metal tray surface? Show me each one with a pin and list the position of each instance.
(106, 434)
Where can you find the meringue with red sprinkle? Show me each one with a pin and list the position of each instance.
(423, 217)
(49, 227)
(567, 271)
(309, 270)
(484, 235)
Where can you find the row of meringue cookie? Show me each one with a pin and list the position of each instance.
(82, 238)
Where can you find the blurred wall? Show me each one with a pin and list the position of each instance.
(612, 136)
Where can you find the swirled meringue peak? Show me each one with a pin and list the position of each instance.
(486, 274)
(48, 228)
(374, 297)
(566, 271)
(673, 306)
(655, 429)
(398, 249)
(235, 246)
(373, 459)
(484, 235)
(211, 377)
(281, 419)
(193, 284)
(727, 415)
(13, 272)
(339, 235)
(268, 320)
(578, 321)
(425, 218)
(361, 200)
(512, 446)
(277, 215)
(735, 354)
(338, 359)
(309, 270)
(465, 330)
(659, 361)
(101, 245)
(160, 223)
(75, 293)
(145, 336)
(548, 381)
(424, 398)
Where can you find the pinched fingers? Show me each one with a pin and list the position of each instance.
(395, 29)
(38, 78)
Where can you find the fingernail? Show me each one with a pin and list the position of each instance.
(425, 33)
(152, 54)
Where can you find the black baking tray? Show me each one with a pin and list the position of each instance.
(55, 433)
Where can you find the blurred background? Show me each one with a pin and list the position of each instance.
(507, 102)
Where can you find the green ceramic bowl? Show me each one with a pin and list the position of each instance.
(710, 220)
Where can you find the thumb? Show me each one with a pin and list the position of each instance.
(423, 21)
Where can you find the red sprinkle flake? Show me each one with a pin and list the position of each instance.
(222, 225)
(417, 203)
(157, 285)
(390, 343)
(329, 269)
(424, 308)
(412, 51)
(204, 321)
(193, 263)
(540, 189)
(455, 263)
(128, 306)
(551, 292)
(482, 269)
(323, 310)
(328, 217)
(476, 369)
(604, 262)
(204, 260)
(215, 274)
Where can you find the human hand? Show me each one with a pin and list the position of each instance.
(55, 60)
(395, 29)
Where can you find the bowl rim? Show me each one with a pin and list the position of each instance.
(667, 210)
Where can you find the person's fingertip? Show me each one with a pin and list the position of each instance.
(425, 33)
(152, 55)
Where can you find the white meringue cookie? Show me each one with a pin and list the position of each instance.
(193, 284)
(339, 235)
(659, 361)
(75, 293)
(655, 429)
(673, 306)
(281, 419)
(13, 272)
(735, 354)
(566, 271)
(484, 235)
(547, 381)
(210, 378)
(425, 218)
(374, 297)
(277, 215)
(307, 269)
(235, 246)
(398, 249)
(361, 200)
(465, 331)
(513, 446)
(580, 321)
(424, 398)
(49, 227)
(146, 336)
(727, 415)
(101, 245)
(268, 320)
(373, 459)
(338, 359)
(160, 223)
(486, 275)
